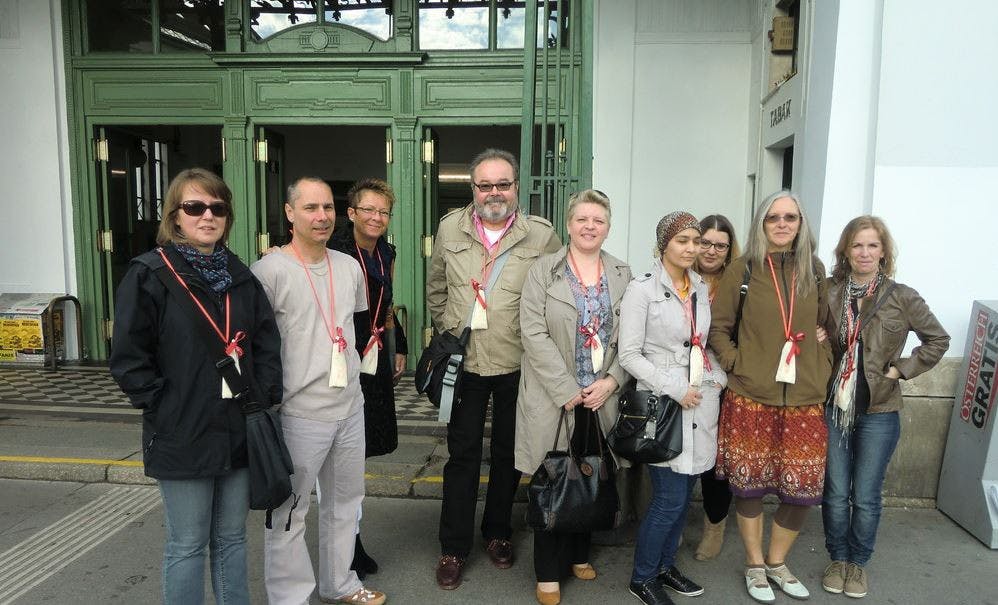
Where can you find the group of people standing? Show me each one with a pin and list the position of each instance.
(788, 381)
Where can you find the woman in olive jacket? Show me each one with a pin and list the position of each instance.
(771, 435)
(194, 440)
(573, 289)
(872, 316)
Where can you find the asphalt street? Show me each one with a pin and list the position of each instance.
(69, 542)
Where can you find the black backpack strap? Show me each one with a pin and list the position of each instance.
(742, 293)
(226, 367)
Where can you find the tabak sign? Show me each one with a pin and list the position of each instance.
(979, 391)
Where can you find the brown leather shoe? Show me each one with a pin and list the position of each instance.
(449, 572)
(501, 552)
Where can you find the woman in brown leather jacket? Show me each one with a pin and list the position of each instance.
(871, 316)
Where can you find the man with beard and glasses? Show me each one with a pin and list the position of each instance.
(468, 242)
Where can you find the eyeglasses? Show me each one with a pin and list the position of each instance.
(197, 208)
(772, 219)
(372, 211)
(706, 244)
(487, 187)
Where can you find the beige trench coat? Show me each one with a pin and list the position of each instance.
(548, 325)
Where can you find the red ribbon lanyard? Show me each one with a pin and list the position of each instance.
(784, 314)
(491, 252)
(335, 332)
(589, 330)
(696, 338)
(852, 332)
(231, 346)
(375, 330)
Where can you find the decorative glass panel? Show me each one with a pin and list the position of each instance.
(196, 25)
(372, 16)
(119, 25)
(454, 24)
(511, 26)
(268, 17)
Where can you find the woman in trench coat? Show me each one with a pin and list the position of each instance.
(571, 299)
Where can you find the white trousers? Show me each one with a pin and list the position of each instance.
(332, 454)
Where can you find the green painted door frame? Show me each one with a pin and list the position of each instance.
(397, 88)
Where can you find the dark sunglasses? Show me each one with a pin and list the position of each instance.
(197, 208)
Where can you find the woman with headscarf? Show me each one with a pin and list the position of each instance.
(664, 319)
(772, 435)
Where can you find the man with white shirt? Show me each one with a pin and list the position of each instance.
(468, 242)
(315, 293)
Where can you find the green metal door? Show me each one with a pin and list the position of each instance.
(431, 178)
(268, 158)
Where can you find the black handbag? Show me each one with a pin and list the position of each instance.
(649, 427)
(573, 493)
(442, 360)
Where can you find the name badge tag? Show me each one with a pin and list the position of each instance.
(479, 320)
(596, 352)
(696, 366)
(226, 391)
(369, 363)
(337, 368)
(787, 370)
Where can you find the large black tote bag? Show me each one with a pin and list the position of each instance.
(574, 493)
(270, 463)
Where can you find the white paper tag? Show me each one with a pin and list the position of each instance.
(226, 391)
(696, 366)
(787, 371)
(369, 363)
(478, 319)
(337, 368)
(596, 352)
(846, 388)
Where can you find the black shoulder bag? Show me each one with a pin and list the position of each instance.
(270, 464)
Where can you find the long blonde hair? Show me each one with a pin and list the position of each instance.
(757, 247)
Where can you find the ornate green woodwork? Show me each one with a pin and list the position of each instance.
(329, 74)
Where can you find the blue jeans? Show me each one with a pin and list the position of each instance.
(854, 475)
(205, 512)
(658, 536)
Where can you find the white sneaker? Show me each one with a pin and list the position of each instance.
(787, 582)
(757, 585)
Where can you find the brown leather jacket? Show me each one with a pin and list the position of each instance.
(751, 364)
(884, 336)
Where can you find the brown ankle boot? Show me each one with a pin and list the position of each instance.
(711, 541)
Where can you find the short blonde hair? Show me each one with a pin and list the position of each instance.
(587, 196)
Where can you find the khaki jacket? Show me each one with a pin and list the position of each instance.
(751, 365)
(884, 336)
(548, 322)
(655, 344)
(458, 254)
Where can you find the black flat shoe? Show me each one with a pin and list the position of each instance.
(674, 579)
(363, 564)
(651, 593)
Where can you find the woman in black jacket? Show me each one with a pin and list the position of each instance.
(193, 431)
(371, 201)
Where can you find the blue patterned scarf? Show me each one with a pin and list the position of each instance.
(214, 267)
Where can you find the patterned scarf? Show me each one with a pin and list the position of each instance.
(214, 267)
(844, 403)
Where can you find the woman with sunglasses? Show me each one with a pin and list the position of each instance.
(380, 339)
(717, 247)
(772, 435)
(193, 430)
(872, 316)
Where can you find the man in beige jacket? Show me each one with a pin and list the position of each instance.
(467, 243)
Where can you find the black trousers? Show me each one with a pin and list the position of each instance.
(462, 471)
(716, 496)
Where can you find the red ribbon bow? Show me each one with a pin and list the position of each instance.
(478, 292)
(795, 349)
(234, 345)
(339, 340)
(698, 342)
(374, 340)
(589, 332)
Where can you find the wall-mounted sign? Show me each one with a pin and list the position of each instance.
(782, 35)
(979, 387)
(779, 113)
